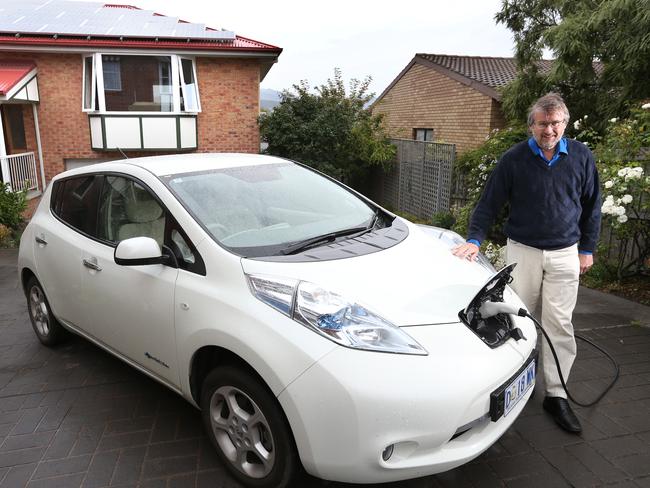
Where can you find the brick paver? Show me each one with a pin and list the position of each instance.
(75, 416)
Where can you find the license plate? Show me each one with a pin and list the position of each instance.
(504, 399)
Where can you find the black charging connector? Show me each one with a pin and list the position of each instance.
(559, 369)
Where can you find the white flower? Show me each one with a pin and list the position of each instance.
(586, 144)
(645, 106)
(622, 219)
(585, 117)
(619, 210)
(609, 184)
(627, 198)
(576, 124)
(614, 120)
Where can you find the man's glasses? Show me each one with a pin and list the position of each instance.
(554, 124)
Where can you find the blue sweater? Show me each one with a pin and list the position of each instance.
(551, 207)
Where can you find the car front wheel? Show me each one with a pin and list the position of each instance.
(247, 426)
(47, 328)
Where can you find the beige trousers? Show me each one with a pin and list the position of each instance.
(555, 276)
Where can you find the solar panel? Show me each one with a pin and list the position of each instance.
(65, 17)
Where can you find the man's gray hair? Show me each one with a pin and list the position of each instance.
(551, 102)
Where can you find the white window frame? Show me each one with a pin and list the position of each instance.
(184, 84)
(93, 84)
(178, 84)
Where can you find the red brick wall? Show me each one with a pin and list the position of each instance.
(228, 89)
(229, 92)
(425, 98)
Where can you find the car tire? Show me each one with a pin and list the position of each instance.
(48, 330)
(248, 428)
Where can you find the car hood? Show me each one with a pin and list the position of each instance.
(415, 282)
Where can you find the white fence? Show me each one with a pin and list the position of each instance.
(21, 171)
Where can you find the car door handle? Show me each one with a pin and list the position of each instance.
(40, 240)
(92, 264)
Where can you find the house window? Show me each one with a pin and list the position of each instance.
(112, 73)
(89, 82)
(15, 135)
(189, 100)
(423, 135)
(140, 83)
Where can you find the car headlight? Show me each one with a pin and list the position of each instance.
(332, 315)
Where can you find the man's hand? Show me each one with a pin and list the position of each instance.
(586, 262)
(467, 251)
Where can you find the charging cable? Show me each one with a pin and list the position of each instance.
(489, 309)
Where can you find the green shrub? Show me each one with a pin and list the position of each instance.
(12, 206)
(446, 220)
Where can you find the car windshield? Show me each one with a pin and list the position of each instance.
(267, 209)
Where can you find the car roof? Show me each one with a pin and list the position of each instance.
(182, 163)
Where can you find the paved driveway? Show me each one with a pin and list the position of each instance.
(75, 416)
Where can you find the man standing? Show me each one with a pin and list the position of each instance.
(551, 186)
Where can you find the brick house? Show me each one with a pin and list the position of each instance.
(84, 82)
(452, 99)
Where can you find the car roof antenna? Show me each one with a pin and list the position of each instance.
(122, 152)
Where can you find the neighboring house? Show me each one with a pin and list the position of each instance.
(452, 99)
(84, 82)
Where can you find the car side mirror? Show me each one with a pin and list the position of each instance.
(142, 251)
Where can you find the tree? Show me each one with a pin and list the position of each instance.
(615, 34)
(328, 128)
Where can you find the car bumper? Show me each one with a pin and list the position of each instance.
(347, 408)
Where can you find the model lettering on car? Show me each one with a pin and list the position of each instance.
(325, 333)
(153, 358)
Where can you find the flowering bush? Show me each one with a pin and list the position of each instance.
(626, 189)
(618, 193)
(495, 253)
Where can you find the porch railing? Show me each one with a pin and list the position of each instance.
(21, 169)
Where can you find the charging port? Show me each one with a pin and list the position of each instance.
(497, 329)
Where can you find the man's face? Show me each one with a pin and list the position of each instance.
(548, 128)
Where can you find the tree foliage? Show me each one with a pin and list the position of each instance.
(614, 33)
(328, 128)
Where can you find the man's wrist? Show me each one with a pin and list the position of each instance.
(475, 242)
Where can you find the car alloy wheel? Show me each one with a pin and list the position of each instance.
(249, 430)
(47, 328)
(242, 432)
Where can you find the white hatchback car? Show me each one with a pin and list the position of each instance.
(312, 328)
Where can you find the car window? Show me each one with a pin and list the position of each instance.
(76, 202)
(127, 209)
(184, 250)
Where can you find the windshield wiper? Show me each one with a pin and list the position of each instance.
(319, 240)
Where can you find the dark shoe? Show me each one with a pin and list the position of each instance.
(562, 414)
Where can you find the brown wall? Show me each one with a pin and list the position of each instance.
(230, 98)
(425, 98)
(228, 89)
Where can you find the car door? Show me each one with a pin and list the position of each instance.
(131, 308)
(59, 236)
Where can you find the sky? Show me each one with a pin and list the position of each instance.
(361, 37)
